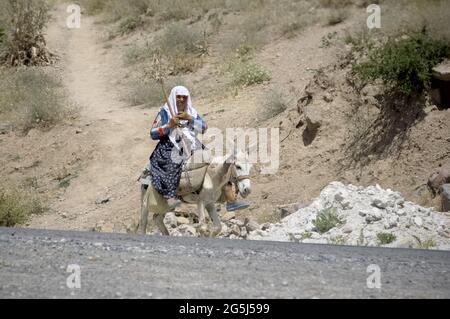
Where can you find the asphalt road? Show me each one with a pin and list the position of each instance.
(33, 264)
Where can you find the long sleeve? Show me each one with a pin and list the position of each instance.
(199, 125)
(160, 127)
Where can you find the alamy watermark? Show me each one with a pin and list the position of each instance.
(374, 279)
(73, 281)
(258, 145)
(73, 21)
(374, 19)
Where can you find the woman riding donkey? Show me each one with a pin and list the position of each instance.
(177, 142)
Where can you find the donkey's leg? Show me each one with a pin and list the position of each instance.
(201, 211)
(217, 226)
(144, 212)
(203, 226)
(159, 221)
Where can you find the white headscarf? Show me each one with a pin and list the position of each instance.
(189, 136)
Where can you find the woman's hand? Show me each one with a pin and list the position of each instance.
(184, 116)
(173, 122)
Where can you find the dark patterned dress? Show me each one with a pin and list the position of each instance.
(164, 172)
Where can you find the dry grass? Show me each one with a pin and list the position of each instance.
(336, 16)
(179, 38)
(183, 47)
(31, 98)
(17, 205)
(137, 53)
(147, 93)
(335, 3)
(403, 16)
(274, 103)
(24, 22)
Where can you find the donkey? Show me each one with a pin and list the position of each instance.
(234, 167)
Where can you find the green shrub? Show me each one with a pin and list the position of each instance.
(305, 235)
(15, 207)
(385, 238)
(245, 74)
(326, 220)
(405, 64)
(31, 98)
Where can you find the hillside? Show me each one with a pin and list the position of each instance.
(87, 167)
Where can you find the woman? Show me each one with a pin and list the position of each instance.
(166, 161)
(175, 146)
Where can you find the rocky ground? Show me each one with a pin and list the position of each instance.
(363, 217)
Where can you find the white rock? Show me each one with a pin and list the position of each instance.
(237, 221)
(187, 230)
(252, 225)
(400, 212)
(338, 197)
(379, 203)
(347, 205)
(171, 220)
(383, 209)
(418, 221)
(373, 216)
(236, 230)
(347, 229)
(183, 220)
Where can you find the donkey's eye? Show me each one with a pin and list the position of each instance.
(238, 167)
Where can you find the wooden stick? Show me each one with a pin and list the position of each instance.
(166, 98)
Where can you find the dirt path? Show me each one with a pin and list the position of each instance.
(117, 133)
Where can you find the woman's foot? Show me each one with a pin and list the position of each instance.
(173, 202)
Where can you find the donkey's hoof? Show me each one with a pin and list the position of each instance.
(216, 231)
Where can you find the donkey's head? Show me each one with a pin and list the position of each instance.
(240, 172)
